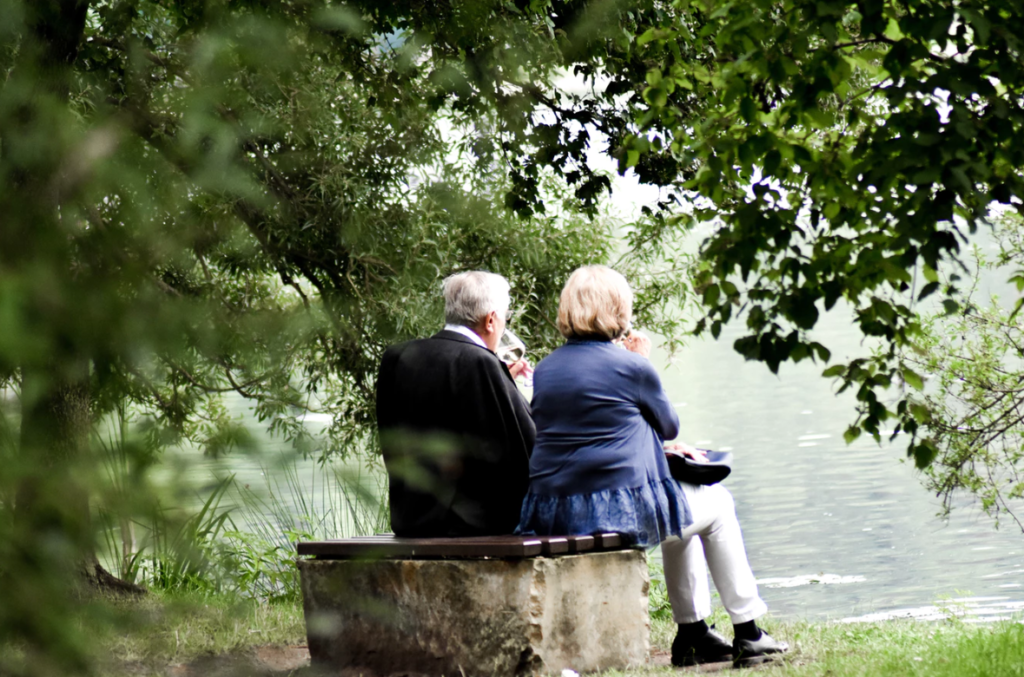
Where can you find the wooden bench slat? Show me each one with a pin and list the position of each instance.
(554, 545)
(550, 545)
(394, 548)
(608, 541)
(581, 544)
(386, 546)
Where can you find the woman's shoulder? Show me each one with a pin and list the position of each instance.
(612, 354)
(573, 351)
(612, 361)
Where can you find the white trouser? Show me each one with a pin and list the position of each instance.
(713, 541)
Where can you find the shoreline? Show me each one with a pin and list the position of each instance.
(186, 636)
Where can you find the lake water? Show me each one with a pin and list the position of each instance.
(832, 531)
(836, 531)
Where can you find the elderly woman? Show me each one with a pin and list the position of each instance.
(598, 465)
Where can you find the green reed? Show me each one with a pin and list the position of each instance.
(228, 537)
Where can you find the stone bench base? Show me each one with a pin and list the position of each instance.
(478, 618)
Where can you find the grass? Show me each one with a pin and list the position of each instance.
(165, 630)
(890, 648)
(162, 630)
(902, 648)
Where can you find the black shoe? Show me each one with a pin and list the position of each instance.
(748, 652)
(711, 648)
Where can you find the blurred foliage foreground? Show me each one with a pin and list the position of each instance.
(209, 198)
(253, 197)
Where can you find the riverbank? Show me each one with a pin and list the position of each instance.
(186, 637)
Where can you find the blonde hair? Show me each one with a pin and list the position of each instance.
(596, 302)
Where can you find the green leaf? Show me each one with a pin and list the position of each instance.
(654, 33)
(920, 412)
(748, 109)
(656, 96)
(892, 30)
(339, 18)
(722, 11)
(928, 290)
(647, 36)
(924, 453)
(912, 379)
(851, 434)
(1016, 308)
(981, 26)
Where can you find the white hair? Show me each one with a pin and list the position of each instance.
(470, 296)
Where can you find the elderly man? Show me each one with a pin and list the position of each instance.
(455, 431)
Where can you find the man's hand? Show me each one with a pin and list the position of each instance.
(638, 342)
(520, 368)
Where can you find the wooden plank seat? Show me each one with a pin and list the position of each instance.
(387, 546)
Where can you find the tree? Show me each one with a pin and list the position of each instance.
(844, 150)
(256, 195)
(848, 150)
(185, 217)
(972, 405)
(840, 148)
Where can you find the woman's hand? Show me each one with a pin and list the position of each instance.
(698, 455)
(638, 342)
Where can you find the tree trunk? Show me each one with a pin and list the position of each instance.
(52, 503)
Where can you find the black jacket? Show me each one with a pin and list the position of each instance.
(456, 435)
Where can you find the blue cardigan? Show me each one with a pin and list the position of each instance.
(597, 464)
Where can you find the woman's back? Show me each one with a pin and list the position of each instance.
(601, 418)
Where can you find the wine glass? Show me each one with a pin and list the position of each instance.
(511, 349)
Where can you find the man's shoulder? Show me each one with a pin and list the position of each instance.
(464, 354)
(444, 361)
(444, 343)
(399, 348)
